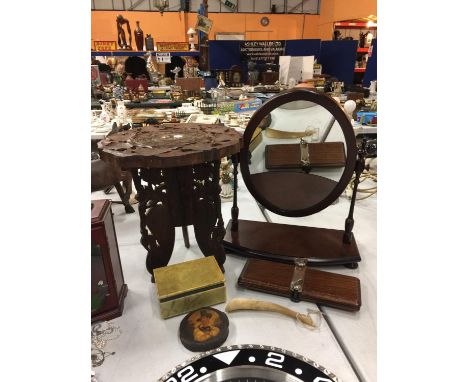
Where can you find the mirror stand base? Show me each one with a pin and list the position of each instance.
(284, 242)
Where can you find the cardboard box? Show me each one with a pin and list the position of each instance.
(250, 104)
(367, 117)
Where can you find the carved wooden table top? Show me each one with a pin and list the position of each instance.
(170, 145)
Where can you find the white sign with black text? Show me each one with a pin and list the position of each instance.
(164, 58)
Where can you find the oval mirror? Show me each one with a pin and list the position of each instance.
(299, 153)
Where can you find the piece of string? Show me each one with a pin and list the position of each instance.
(317, 322)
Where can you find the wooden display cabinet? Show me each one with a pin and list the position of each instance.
(108, 289)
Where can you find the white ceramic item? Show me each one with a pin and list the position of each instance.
(106, 114)
(349, 107)
(226, 190)
(191, 39)
(121, 112)
(291, 83)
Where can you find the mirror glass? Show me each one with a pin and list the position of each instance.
(297, 155)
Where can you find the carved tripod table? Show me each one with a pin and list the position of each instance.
(175, 168)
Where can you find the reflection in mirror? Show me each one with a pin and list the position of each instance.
(298, 154)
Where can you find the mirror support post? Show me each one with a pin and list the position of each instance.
(328, 129)
(360, 165)
(235, 209)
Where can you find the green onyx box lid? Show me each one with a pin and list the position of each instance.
(183, 279)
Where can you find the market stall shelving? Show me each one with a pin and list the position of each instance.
(355, 25)
(352, 27)
(127, 53)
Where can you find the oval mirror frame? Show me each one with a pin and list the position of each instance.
(350, 140)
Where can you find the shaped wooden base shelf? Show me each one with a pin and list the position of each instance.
(284, 242)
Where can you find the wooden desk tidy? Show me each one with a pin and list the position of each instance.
(288, 156)
(323, 288)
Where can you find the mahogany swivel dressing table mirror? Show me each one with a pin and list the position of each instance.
(304, 161)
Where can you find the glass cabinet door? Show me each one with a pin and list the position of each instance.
(102, 296)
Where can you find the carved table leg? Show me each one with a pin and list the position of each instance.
(125, 197)
(127, 183)
(208, 221)
(186, 238)
(157, 230)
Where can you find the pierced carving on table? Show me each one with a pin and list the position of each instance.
(156, 228)
(208, 223)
